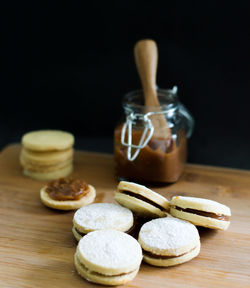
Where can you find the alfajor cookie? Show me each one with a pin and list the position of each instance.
(47, 154)
(100, 216)
(169, 241)
(108, 257)
(141, 200)
(201, 212)
(67, 194)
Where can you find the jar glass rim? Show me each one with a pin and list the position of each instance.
(167, 98)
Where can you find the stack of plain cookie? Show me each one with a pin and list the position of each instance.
(47, 154)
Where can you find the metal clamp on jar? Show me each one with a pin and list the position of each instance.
(142, 156)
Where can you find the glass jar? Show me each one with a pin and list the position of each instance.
(144, 153)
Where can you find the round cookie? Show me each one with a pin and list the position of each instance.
(69, 204)
(201, 212)
(141, 200)
(108, 257)
(44, 176)
(169, 241)
(45, 158)
(47, 140)
(99, 216)
(44, 168)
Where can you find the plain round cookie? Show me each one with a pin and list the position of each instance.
(100, 216)
(43, 168)
(172, 241)
(45, 176)
(109, 252)
(202, 205)
(47, 140)
(46, 157)
(69, 204)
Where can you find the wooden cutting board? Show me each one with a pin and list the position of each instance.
(37, 245)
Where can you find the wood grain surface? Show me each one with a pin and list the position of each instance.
(37, 245)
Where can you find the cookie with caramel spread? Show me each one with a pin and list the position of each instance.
(64, 189)
(67, 194)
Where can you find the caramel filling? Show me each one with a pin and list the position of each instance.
(79, 232)
(204, 213)
(143, 198)
(155, 256)
(100, 274)
(96, 273)
(67, 189)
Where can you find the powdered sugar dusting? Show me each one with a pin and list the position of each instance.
(103, 216)
(110, 249)
(168, 233)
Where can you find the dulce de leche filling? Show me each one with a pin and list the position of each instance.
(203, 213)
(67, 189)
(156, 256)
(100, 274)
(143, 198)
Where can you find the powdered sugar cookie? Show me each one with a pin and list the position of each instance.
(99, 216)
(108, 257)
(169, 241)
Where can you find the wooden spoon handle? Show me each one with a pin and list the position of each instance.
(146, 58)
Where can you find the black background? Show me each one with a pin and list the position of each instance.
(69, 65)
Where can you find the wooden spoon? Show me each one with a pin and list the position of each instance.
(146, 58)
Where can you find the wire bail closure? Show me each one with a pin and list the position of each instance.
(130, 120)
(149, 128)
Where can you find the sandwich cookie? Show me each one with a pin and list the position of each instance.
(141, 200)
(67, 194)
(100, 216)
(201, 212)
(108, 257)
(169, 241)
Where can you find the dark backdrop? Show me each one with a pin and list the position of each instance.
(68, 66)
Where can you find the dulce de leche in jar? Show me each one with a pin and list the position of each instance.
(145, 154)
